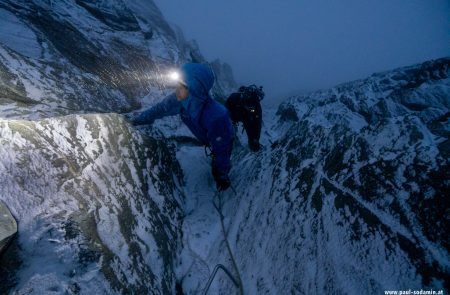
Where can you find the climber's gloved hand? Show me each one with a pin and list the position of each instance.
(223, 184)
(222, 180)
(254, 145)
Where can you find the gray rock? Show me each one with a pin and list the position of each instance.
(8, 226)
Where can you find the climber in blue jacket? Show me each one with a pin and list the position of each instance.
(207, 119)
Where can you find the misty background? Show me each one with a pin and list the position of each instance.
(292, 46)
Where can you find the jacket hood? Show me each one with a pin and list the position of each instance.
(199, 80)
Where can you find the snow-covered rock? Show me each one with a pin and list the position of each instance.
(349, 195)
(97, 208)
(97, 200)
(353, 195)
(62, 57)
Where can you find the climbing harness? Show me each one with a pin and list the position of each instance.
(237, 282)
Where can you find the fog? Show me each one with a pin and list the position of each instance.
(292, 46)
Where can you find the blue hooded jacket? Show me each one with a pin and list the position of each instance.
(207, 119)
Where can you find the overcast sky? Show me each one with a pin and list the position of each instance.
(290, 46)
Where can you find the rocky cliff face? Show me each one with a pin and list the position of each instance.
(97, 201)
(95, 209)
(61, 57)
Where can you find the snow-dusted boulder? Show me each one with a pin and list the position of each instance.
(8, 226)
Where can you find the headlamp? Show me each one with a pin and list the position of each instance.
(174, 76)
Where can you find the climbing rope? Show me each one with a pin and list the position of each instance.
(238, 282)
(197, 261)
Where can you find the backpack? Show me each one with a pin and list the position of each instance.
(251, 95)
(245, 106)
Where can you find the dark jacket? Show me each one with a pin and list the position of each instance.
(249, 112)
